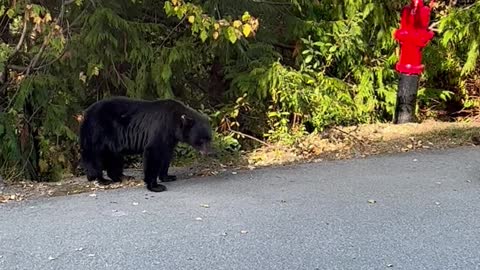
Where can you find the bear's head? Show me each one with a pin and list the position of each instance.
(196, 131)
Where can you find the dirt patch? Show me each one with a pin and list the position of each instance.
(366, 140)
(336, 143)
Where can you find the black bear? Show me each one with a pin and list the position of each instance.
(121, 126)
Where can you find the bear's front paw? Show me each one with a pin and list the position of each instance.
(156, 187)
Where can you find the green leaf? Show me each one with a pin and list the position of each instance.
(168, 8)
(11, 13)
(203, 35)
(36, 9)
(166, 73)
(308, 59)
(447, 36)
(245, 16)
(231, 35)
(367, 10)
(56, 44)
(307, 51)
(472, 57)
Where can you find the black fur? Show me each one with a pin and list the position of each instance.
(121, 126)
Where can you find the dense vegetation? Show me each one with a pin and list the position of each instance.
(270, 69)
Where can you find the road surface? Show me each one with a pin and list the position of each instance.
(408, 211)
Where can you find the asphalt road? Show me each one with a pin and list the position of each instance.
(312, 216)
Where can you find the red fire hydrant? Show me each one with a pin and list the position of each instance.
(413, 36)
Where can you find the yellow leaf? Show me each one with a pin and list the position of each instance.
(237, 23)
(82, 77)
(48, 17)
(191, 19)
(254, 23)
(215, 35)
(96, 71)
(174, 2)
(247, 29)
(216, 26)
(37, 20)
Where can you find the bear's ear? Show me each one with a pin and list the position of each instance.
(186, 121)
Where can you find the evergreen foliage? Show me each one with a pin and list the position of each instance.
(273, 68)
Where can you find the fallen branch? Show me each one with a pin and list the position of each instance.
(250, 137)
(351, 135)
